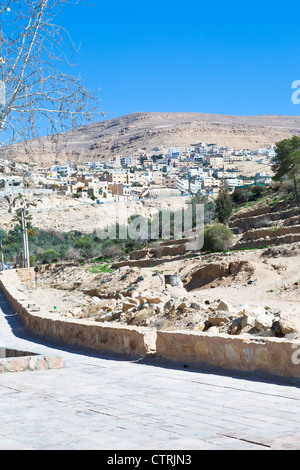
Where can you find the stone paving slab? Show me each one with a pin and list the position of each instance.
(105, 402)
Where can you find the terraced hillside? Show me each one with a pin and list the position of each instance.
(266, 226)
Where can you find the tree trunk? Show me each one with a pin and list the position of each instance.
(296, 192)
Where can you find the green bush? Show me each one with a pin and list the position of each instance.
(218, 237)
(49, 256)
(250, 193)
(83, 243)
(32, 260)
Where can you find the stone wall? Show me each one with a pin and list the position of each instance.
(134, 341)
(273, 232)
(259, 218)
(26, 276)
(277, 356)
(274, 356)
(174, 249)
(268, 241)
(279, 208)
(30, 363)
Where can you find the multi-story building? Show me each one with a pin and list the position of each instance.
(216, 162)
(127, 161)
(63, 170)
(196, 185)
(157, 177)
(169, 182)
(234, 182)
(174, 151)
(121, 177)
(182, 184)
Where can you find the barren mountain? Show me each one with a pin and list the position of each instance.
(144, 132)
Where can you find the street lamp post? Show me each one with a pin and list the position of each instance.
(1, 248)
(25, 240)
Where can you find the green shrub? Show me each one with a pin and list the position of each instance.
(83, 243)
(32, 260)
(218, 237)
(49, 256)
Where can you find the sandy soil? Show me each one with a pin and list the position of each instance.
(66, 214)
(261, 280)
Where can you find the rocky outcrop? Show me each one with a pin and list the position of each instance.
(204, 275)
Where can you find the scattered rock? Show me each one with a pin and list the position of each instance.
(129, 304)
(142, 317)
(289, 322)
(108, 317)
(264, 322)
(182, 307)
(218, 319)
(225, 306)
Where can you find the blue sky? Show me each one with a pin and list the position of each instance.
(216, 57)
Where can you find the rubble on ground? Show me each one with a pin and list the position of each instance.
(235, 293)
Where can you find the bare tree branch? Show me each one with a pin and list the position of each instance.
(34, 55)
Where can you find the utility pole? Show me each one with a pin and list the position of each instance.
(1, 248)
(26, 262)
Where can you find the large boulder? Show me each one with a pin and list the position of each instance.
(289, 322)
(218, 318)
(225, 307)
(142, 317)
(264, 321)
(129, 303)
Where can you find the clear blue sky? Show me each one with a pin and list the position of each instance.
(222, 57)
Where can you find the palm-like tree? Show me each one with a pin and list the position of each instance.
(32, 232)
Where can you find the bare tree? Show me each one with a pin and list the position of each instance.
(35, 53)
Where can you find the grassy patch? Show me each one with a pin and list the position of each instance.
(100, 268)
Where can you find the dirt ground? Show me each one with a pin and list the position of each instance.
(266, 279)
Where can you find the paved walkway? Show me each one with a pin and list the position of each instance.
(112, 403)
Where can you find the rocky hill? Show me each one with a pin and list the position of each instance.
(144, 132)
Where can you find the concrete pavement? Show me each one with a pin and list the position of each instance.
(105, 402)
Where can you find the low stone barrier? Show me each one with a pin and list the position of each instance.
(26, 276)
(134, 341)
(276, 356)
(271, 232)
(267, 241)
(30, 363)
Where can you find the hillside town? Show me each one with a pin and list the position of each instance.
(202, 168)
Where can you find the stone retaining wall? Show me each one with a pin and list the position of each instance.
(160, 251)
(277, 356)
(134, 341)
(249, 222)
(274, 232)
(27, 276)
(279, 207)
(30, 363)
(274, 356)
(267, 241)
